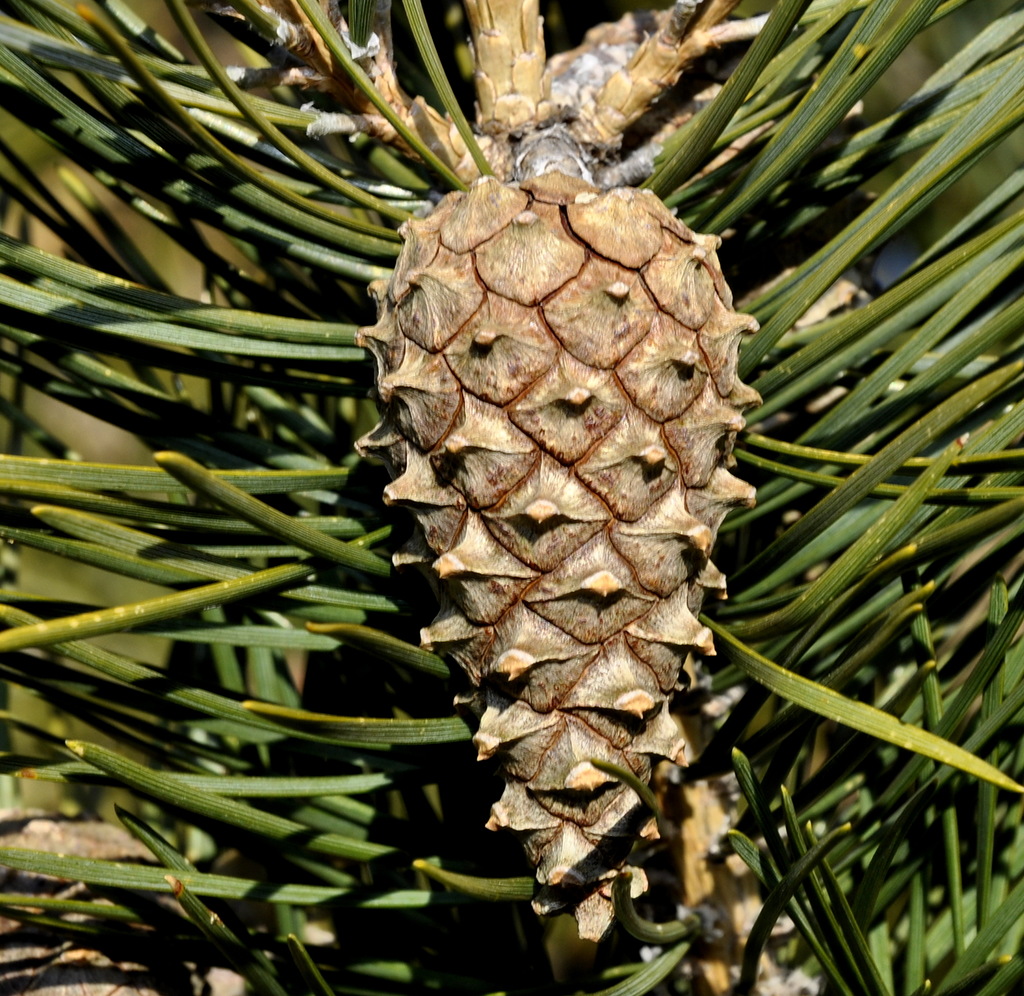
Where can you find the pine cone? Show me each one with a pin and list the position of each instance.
(557, 372)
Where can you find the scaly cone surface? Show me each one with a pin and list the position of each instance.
(557, 375)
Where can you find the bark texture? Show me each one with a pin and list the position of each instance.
(557, 377)
(41, 958)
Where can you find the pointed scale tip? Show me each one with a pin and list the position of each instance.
(638, 702)
(565, 876)
(499, 817)
(677, 753)
(485, 337)
(541, 510)
(579, 396)
(513, 663)
(448, 565)
(701, 537)
(486, 745)
(617, 291)
(649, 831)
(603, 583)
(456, 443)
(653, 455)
(584, 777)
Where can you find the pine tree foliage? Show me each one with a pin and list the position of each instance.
(868, 685)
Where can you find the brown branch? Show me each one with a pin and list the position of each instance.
(687, 34)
